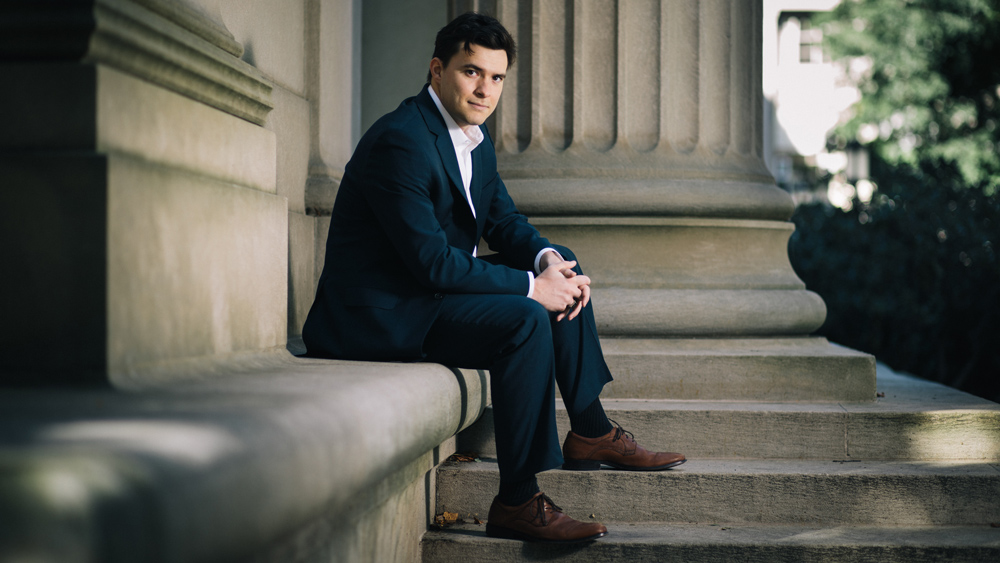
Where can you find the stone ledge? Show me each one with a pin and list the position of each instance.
(916, 420)
(806, 492)
(219, 467)
(692, 543)
(165, 43)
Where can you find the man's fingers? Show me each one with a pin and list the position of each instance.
(576, 310)
(562, 267)
(567, 268)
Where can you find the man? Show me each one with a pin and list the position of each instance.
(402, 282)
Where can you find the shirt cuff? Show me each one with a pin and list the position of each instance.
(531, 284)
(538, 258)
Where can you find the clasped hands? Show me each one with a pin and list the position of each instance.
(559, 289)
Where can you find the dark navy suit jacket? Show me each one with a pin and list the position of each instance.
(401, 238)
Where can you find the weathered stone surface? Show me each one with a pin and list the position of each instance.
(167, 242)
(678, 252)
(290, 123)
(253, 457)
(916, 420)
(301, 269)
(688, 543)
(171, 46)
(195, 267)
(273, 38)
(861, 493)
(764, 369)
(93, 107)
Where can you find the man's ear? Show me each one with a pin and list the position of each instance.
(437, 68)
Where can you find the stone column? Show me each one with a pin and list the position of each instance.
(332, 86)
(141, 226)
(631, 131)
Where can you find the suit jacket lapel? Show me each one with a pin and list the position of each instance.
(444, 145)
(476, 186)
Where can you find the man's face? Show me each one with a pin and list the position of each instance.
(470, 86)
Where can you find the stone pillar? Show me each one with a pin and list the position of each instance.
(141, 226)
(631, 131)
(332, 87)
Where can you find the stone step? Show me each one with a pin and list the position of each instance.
(755, 369)
(710, 544)
(815, 493)
(915, 420)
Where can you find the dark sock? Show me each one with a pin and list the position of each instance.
(517, 492)
(591, 422)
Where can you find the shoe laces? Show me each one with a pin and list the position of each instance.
(540, 501)
(619, 432)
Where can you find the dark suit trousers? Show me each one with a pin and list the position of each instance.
(528, 353)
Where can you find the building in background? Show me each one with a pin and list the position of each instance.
(806, 96)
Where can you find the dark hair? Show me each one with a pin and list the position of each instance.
(471, 29)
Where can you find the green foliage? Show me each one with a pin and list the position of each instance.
(929, 73)
(913, 277)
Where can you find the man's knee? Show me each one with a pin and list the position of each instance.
(534, 320)
(565, 252)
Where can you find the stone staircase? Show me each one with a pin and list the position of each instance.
(914, 476)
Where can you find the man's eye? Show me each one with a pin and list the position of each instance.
(470, 72)
(497, 79)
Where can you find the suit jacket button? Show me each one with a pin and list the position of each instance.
(438, 296)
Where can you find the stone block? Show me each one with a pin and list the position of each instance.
(195, 267)
(290, 123)
(164, 240)
(765, 369)
(139, 264)
(86, 107)
(270, 459)
(818, 493)
(710, 543)
(53, 220)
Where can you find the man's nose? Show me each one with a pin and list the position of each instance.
(482, 88)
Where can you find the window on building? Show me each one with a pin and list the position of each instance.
(810, 37)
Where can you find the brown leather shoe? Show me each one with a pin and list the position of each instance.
(617, 449)
(539, 520)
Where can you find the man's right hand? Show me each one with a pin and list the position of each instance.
(559, 289)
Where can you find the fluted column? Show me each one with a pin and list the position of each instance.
(631, 131)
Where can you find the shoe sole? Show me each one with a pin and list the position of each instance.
(591, 465)
(508, 534)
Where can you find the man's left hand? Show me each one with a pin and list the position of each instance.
(551, 258)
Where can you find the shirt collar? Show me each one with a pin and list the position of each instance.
(459, 137)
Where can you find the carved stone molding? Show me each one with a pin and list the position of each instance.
(166, 43)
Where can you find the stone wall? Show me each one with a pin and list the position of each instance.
(167, 171)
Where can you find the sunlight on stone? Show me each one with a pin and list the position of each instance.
(940, 435)
(180, 442)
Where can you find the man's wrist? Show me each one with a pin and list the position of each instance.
(541, 253)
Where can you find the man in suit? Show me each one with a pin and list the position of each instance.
(402, 281)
